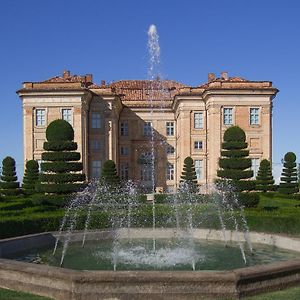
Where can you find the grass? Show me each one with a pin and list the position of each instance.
(13, 295)
(290, 294)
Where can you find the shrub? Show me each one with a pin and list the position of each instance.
(289, 180)
(9, 185)
(30, 177)
(264, 179)
(249, 199)
(109, 174)
(60, 164)
(188, 177)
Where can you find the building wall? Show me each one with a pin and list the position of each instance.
(112, 114)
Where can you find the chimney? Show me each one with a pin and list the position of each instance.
(103, 83)
(211, 77)
(224, 75)
(66, 74)
(89, 77)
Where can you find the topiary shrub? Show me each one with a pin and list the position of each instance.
(264, 180)
(61, 169)
(248, 199)
(235, 162)
(109, 174)
(9, 186)
(289, 178)
(189, 177)
(234, 165)
(59, 130)
(31, 177)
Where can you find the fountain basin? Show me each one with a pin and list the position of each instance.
(61, 283)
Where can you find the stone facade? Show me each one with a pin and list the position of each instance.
(116, 121)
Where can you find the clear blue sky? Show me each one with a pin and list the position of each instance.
(258, 40)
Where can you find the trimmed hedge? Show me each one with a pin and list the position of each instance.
(31, 177)
(60, 156)
(60, 146)
(109, 173)
(289, 179)
(59, 130)
(60, 188)
(61, 167)
(264, 180)
(62, 177)
(249, 199)
(8, 184)
(235, 162)
(188, 175)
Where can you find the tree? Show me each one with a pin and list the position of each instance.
(234, 165)
(31, 177)
(60, 167)
(9, 186)
(188, 177)
(264, 179)
(289, 179)
(109, 174)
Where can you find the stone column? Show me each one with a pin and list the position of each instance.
(28, 123)
(214, 139)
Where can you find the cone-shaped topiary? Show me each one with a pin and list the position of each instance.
(30, 177)
(188, 176)
(235, 163)
(9, 186)
(109, 174)
(264, 179)
(289, 179)
(61, 169)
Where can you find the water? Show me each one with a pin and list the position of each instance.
(121, 208)
(169, 255)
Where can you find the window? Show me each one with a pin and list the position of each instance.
(146, 173)
(170, 150)
(227, 116)
(254, 166)
(96, 168)
(199, 169)
(147, 129)
(124, 171)
(40, 117)
(198, 145)
(96, 145)
(124, 150)
(170, 128)
(170, 172)
(96, 120)
(146, 158)
(198, 120)
(254, 116)
(67, 115)
(124, 129)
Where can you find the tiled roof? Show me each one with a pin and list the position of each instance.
(143, 90)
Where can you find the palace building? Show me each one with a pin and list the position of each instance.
(127, 119)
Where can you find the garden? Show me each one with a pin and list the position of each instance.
(39, 204)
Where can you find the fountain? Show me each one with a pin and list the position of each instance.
(114, 245)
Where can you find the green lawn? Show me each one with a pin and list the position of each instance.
(13, 295)
(290, 294)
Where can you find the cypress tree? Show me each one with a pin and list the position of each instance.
(60, 167)
(289, 178)
(30, 177)
(234, 165)
(9, 186)
(109, 174)
(188, 176)
(264, 179)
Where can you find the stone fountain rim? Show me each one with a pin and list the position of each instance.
(64, 284)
